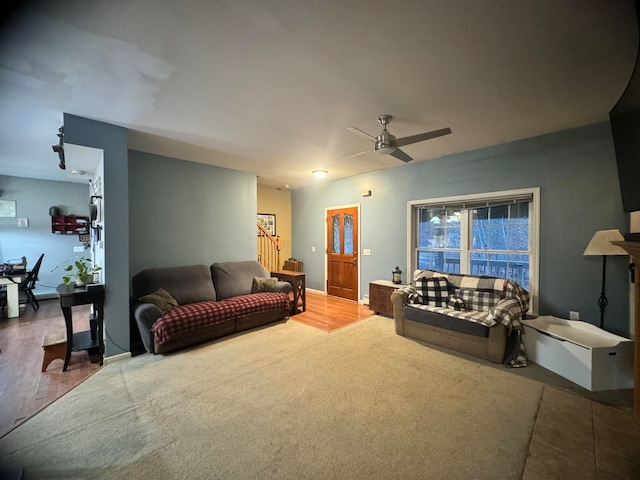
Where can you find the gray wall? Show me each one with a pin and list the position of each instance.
(576, 172)
(185, 213)
(33, 199)
(113, 141)
(179, 213)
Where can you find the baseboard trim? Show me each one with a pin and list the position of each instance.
(321, 292)
(46, 296)
(116, 358)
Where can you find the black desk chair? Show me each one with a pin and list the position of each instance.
(26, 287)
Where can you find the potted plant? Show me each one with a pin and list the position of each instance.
(83, 269)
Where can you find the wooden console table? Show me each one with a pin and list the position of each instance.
(92, 339)
(298, 284)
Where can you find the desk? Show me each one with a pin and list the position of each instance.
(70, 296)
(13, 304)
(298, 283)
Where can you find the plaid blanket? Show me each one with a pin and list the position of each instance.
(194, 316)
(507, 312)
(488, 300)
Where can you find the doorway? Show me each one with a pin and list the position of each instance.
(342, 252)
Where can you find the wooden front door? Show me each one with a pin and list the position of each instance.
(342, 253)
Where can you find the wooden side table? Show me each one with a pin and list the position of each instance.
(380, 296)
(92, 339)
(298, 284)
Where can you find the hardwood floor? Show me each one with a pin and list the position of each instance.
(330, 313)
(24, 389)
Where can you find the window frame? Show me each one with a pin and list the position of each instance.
(465, 240)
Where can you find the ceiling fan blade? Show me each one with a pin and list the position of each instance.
(354, 155)
(400, 155)
(422, 137)
(362, 134)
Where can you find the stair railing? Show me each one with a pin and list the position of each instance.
(269, 247)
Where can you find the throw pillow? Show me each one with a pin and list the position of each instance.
(421, 290)
(261, 284)
(162, 299)
(456, 303)
(434, 290)
(476, 300)
(415, 298)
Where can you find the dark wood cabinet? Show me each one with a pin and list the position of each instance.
(69, 225)
(634, 250)
(380, 296)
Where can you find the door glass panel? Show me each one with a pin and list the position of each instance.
(348, 234)
(335, 235)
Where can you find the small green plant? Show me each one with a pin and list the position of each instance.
(82, 269)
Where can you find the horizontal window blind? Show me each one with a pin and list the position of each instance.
(477, 203)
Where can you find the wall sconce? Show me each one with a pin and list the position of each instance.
(365, 193)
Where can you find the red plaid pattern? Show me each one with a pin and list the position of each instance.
(259, 302)
(195, 316)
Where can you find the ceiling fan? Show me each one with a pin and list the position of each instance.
(387, 144)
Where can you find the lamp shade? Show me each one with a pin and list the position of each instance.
(601, 244)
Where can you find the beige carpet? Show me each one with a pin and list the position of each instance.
(287, 402)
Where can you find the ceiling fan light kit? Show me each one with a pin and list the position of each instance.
(387, 144)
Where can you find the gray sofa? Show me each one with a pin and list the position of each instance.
(481, 328)
(175, 307)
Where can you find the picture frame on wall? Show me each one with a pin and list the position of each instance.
(268, 222)
(7, 208)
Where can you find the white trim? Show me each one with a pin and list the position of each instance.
(534, 232)
(326, 246)
(321, 292)
(116, 358)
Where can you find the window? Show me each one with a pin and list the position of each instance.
(490, 234)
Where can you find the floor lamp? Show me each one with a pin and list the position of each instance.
(601, 244)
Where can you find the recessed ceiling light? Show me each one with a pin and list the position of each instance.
(320, 173)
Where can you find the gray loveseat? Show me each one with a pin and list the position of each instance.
(179, 306)
(475, 315)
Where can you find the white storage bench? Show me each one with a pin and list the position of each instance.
(581, 352)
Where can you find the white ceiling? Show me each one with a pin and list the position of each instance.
(268, 86)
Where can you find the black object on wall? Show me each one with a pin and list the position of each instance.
(626, 138)
(625, 126)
